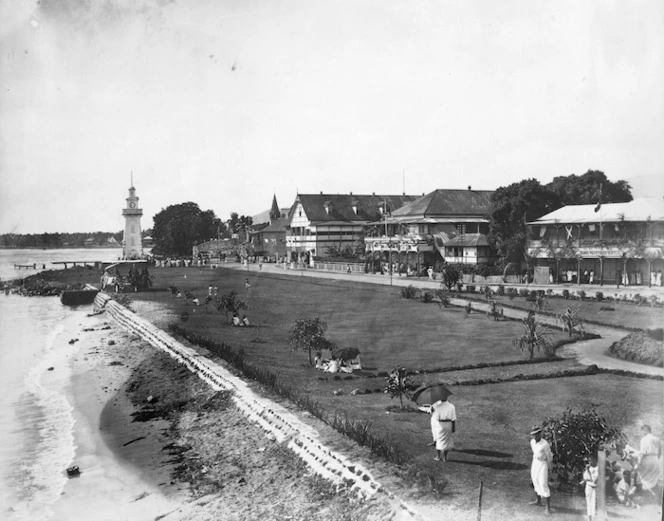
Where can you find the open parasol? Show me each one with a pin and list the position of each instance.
(347, 353)
(428, 394)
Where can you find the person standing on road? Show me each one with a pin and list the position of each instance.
(539, 470)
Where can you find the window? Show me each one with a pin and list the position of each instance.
(461, 229)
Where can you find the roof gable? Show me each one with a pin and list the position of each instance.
(444, 202)
(349, 207)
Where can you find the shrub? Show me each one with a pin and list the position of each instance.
(581, 294)
(470, 288)
(524, 292)
(443, 298)
(549, 293)
(511, 293)
(534, 293)
(451, 276)
(398, 384)
(501, 290)
(426, 297)
(575, 436)
(599, 296)
(566, 294)
(408, 292)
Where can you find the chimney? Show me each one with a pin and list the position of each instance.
(469, 187)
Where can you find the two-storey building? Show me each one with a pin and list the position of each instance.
(320, 224)
(449, 225)
(620, 243)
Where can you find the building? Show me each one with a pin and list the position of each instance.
(132, 244)
(616, 243)
(450, 225)
(268, 235)
(324, 224)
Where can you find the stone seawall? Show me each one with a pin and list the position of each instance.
(278, 423)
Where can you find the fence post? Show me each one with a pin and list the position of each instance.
(601, 484)
(479, 502)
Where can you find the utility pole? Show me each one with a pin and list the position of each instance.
(389, 243)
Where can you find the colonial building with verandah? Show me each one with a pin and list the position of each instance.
(450, 225)
(613, 243)
(321, 223)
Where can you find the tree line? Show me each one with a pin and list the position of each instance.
(59, 240)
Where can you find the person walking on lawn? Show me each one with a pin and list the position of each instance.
(539, 470)
(443, 426)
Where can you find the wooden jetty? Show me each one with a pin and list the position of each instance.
(26, 266)
(75, 262)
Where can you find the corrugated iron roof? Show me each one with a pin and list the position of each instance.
(444, 202)
(341, 206)
(639, 210)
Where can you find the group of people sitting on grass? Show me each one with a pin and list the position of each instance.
(240, 322)
(337, 365)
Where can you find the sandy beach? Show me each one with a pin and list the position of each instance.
(153, 441)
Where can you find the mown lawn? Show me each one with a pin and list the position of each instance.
(494, 419)
(612, 313)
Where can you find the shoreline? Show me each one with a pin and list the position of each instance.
(115, 480)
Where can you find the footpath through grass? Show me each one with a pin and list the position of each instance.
(494, 419)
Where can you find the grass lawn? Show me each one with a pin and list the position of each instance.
(623, 313)
(494, 419)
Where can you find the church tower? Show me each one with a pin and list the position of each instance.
(132, 242)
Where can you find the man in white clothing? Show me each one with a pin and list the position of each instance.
(539, 470)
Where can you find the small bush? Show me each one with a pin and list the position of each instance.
(501, 290)
(511, 293)
(524, 292)
(574, 437)
(599, 296)
(566, 294)
(549, 293)
(581, 294)
(408, 292)
(470, 288)
(426, 297)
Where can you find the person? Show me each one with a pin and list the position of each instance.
(586, 277)
(245, 321)
(625, 489)
(539, 470)
(649, 463)
(348, 270)
(236, 319)
(318, 360)
(246, 284)
(443, 426)
(591, 279)
(590, 476)
(430, 272)
(333, 366)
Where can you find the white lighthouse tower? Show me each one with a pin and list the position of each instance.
(132, 242)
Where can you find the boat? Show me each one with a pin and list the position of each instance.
(79, 297)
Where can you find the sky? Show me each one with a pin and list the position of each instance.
(227, 103)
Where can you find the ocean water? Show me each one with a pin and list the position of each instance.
(36, 420)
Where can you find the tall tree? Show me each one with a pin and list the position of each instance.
(585, 189)
(179, 227)
(513, 206)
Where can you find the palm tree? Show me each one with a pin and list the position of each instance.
(534, 336)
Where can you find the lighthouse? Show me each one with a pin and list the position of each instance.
(132, 242)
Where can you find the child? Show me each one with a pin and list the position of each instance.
(625, 489)
(590, 476)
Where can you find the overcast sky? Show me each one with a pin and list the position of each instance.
(226, 103)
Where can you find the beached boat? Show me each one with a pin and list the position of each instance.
(79, 297)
